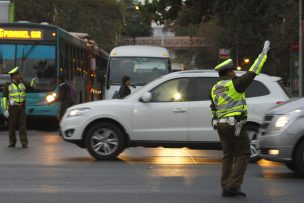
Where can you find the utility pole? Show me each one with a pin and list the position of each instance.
(4, 11)
(300, 49)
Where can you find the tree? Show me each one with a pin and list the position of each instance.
(101, 19)
(241, 26)
(135, 24)
(30, 10)
(247, 25)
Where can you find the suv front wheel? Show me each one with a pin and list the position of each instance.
(104, 141)
(252, 131)
(299, 158)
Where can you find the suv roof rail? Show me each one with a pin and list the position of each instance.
(196, 71)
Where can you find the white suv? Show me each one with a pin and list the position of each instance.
(171, 111)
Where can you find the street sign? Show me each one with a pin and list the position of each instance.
(224, 53)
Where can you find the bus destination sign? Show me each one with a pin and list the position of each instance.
(21, 34)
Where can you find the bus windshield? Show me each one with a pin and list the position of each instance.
(141, 70)
(33, 61)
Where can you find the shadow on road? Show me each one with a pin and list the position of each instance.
(47, 125)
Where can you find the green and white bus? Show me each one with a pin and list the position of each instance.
(46, 52)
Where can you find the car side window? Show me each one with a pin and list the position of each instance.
(204, 86)
(256, 89)
(175, 90)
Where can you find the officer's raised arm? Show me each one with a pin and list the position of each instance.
(241, 83)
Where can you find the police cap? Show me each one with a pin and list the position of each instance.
(14, 71)
(227, 64)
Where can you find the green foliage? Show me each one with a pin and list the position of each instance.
(241, 26)
(30, 10)
(101, 19)
(136, 22)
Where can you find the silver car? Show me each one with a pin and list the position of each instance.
(281, 136)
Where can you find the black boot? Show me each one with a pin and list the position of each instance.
(12, 145)
(231, 192)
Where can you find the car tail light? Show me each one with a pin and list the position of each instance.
(279, 102)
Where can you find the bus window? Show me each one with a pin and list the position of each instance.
(57, 52)
(141, 63)
(34, 61)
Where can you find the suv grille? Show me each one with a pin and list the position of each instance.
(264, 151)
(268, 117)
(266, 123)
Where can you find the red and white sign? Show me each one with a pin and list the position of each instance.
(294, 45)
(224, 53)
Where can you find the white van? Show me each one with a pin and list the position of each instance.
(141, 63)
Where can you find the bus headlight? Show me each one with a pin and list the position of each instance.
(78, 112)
(50, 98)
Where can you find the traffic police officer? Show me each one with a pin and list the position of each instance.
(13, 104)
(229, 111)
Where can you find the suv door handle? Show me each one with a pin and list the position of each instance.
(179, 110)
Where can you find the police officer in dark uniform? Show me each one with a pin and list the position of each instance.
(13, 104)
(229, 111)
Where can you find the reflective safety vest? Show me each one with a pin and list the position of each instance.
(227, 100)
(16, 93)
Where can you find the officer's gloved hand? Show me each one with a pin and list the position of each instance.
(5, 113)
(266, 46)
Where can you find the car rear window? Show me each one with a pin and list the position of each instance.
(257, 89)
(204, 86)
(284, 88)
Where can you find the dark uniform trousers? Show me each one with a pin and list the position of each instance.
(17, 116)
(236, 155)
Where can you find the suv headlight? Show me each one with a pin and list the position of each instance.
(282, 121)
(78, 112)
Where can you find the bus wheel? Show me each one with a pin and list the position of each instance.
(104, 141)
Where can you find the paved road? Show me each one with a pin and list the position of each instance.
(51, 170)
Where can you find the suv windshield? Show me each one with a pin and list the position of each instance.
(33, 61)
(141, 70)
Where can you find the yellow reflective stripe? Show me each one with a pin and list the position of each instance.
(231, 112)
(231, 104)
(4, 103)
(33, 83)
(238, 108)
(258, 63)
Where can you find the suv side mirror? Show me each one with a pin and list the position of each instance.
(146, 97)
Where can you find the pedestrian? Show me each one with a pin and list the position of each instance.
(13, 104)
(124, 89)
(229, 109)
(67, 96)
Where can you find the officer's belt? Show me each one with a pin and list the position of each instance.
(17, 104)
(229, 120)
